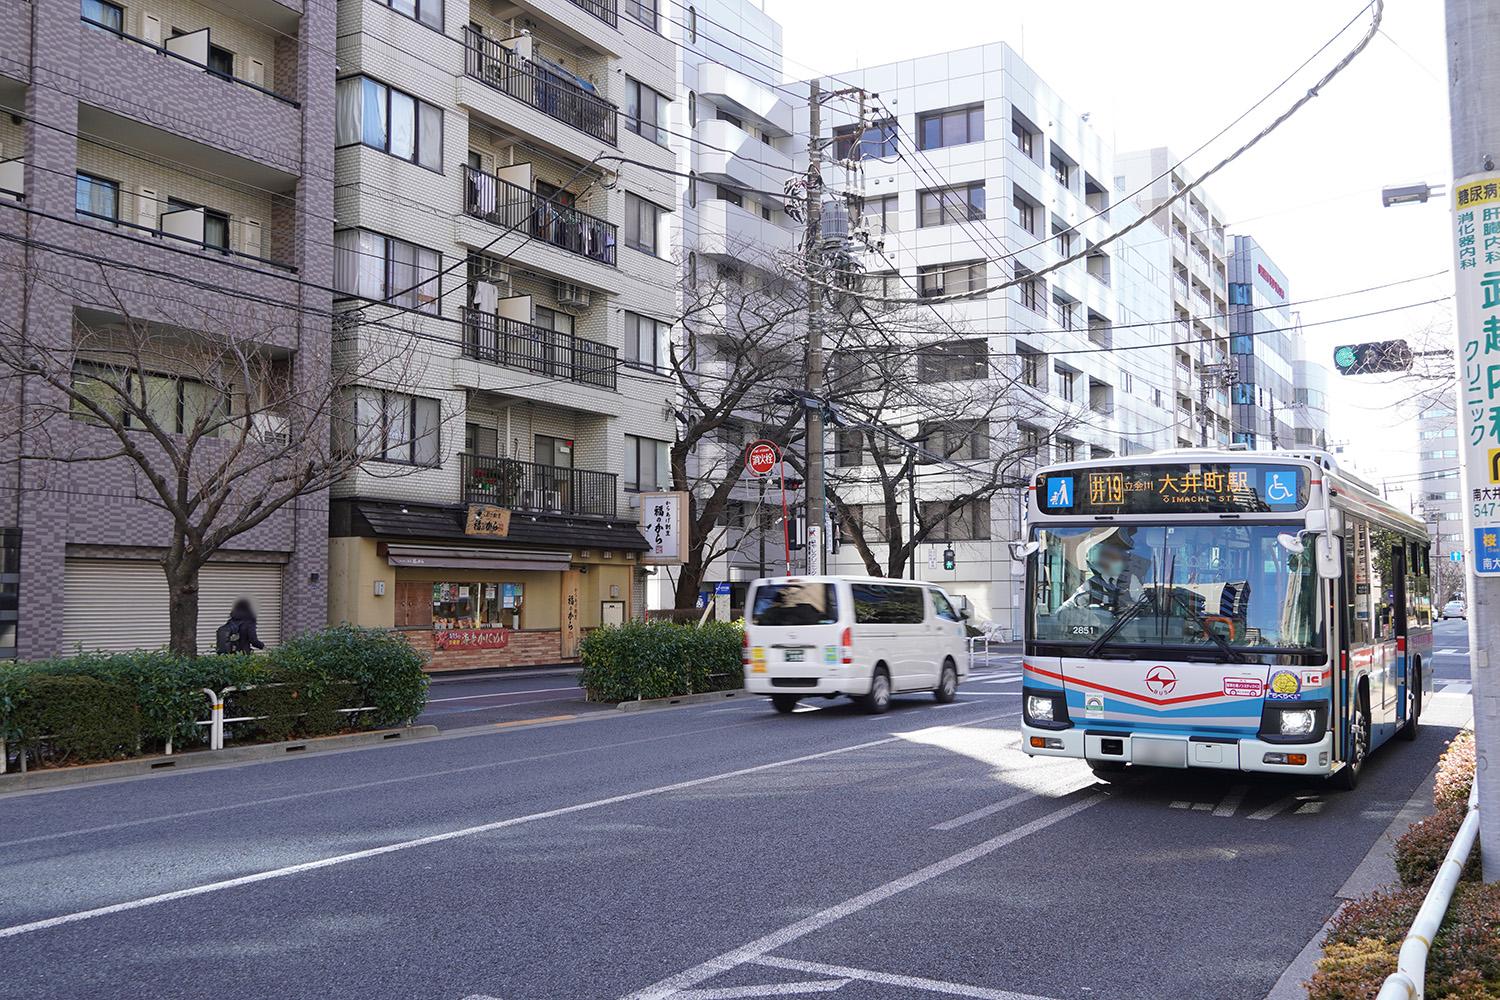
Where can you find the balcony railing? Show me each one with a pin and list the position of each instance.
(604, 10)
(515, 344)
(545, 489)
(553, 94)
(512, 207)
(167, 51)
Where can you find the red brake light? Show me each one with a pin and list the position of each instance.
(847, 641)
(744, 647)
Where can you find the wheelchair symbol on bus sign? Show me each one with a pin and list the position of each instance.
(1277, 489)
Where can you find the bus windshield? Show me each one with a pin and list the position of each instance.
(1225, 587)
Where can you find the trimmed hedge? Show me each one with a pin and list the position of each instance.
(1455, 775)
(108, 706)
(661, 659)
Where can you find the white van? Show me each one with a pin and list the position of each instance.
(864, 637)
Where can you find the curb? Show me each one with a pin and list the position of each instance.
(82, 774)
(682, 699)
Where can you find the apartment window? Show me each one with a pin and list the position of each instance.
(1067, 450)
(1024, 137)
(1438, 432)
(396, 427)
(956, 522)
(1033, 368)
(950, 279)
(378, 267)
(429, 12)
(646, 342)
(1156, 398)
(1127, 383)
(107, 15)
(953, 361)
(1033, 291)
(1026, 210)
(171, 403)
(730, 195)
(1062, 239)
(381, 117)
(937, 129)
(1066, 312)
(1032, 443)
(98, 197)
(884, 212)
(1061, 169)
(643, 11)
(1239, 294)
(647, 464)
(876, 142)
(946, 206)
(886, 284)
(480, 440)
(215, 224)
(959, 441)
(1244, 393)
(1066, 377)
(642, 223)
(645, 111)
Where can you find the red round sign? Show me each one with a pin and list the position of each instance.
(761, 458)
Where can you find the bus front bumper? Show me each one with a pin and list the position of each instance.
(1180, 751)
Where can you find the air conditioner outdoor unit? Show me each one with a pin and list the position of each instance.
(569, 294)
(272, 428)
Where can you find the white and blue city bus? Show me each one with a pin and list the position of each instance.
(1249, 611)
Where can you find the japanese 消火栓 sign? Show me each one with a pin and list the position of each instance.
(1173, 489)
(1476, 234)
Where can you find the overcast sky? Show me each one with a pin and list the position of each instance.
(1175, 72)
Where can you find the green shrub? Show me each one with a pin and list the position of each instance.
(660, 659)
(1421, 849)
(1455, 771)
(76, 720)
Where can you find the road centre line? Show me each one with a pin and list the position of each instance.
(767, 990)
(503, 694)
(762, 946)
(889, 979)
(438, 838)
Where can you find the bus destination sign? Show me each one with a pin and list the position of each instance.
(1212, 488)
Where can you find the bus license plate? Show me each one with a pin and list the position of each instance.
(794, 656)
(1158, 753)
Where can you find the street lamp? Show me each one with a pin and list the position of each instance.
(1408, 194)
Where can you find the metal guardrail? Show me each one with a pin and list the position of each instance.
(993, 634)
(216, 720)
(530, 486)
(1409, 979)
(495, 65)
(514, 344)
(548, 220)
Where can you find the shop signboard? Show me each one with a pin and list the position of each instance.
(487, 520)
(663, 522)
(471, 638)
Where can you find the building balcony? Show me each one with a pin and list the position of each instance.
(13, 179)
(728, 230)
(604, 10)
(514, 344)
(499, 67)
(727, 154)
(543, 489)
(521, 210)
(737, 93)
(148, 214)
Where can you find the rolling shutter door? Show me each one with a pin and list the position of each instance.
(117, 604)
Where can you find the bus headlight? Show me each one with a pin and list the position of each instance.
(1039, 707)
(1298, 721)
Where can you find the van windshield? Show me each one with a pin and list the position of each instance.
(795, 603)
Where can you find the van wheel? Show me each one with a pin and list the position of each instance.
(1408, 732)
(947, 688)
(1346, 778)
(879, 698)
(784, 703)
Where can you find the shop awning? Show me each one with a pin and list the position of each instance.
(430, 557)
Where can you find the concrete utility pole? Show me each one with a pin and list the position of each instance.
(813, 250)
(1473, 97)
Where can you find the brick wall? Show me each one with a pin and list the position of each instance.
(526, 649)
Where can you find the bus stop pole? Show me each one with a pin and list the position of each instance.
(1473, 95)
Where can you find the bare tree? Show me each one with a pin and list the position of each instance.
(738, 372)
(216, 421)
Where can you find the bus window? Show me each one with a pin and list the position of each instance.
(1357, 586)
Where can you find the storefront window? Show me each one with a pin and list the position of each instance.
(476, 605)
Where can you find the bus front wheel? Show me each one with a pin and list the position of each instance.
(1413, 705)
(1346, 778)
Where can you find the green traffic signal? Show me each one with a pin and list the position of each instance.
(950, 559)
(1374, 358)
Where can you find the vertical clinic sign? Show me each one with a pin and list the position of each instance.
(663, 522)
(1476, 234)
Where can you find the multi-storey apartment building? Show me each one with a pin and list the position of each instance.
(1263, 339)
(975, 172)
(1309, 397)
(166, 175)
(1438, 489)
(505, 178)
(1194, 229)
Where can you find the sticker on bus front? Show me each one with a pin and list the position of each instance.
(1244, 687)
(1093, 706)
(1284, 686)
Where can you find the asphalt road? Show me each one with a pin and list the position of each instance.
(706, 852)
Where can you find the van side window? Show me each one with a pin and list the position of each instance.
(887, 604)
(944, 608)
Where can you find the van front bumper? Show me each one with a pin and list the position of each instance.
(1166, 750)
(785, 682)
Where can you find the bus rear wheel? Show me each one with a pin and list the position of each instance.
(1346, 778)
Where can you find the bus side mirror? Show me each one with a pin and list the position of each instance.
(1020, 550)
(1330, 566)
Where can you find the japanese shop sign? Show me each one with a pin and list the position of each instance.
(486, 520)
(1476, 232)
(471, 638)
(663, 523)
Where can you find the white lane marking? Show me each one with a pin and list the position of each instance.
(1001, 679)
(1181, 804)
(1232, 801)
(438, 838)
(1457, 687)
(1309, 808)
(1059, 790)
(1282, 804)
(767, 990)
(779, 938)
(911, 982)
(503, 694)
(1202, 807)
(966, 692)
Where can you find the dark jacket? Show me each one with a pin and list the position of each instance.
(238, 634)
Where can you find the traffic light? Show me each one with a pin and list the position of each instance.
(1372, 359)
(950, 559)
